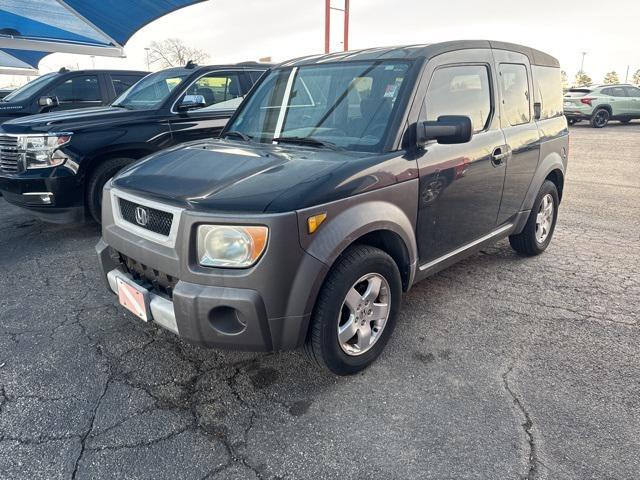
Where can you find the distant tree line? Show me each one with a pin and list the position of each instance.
(582, 79)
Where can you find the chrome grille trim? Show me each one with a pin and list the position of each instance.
(167, 241)
(11, 157)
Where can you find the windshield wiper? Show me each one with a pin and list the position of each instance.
(312, 142)
(235, 133)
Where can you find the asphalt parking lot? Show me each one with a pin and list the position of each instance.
(501, 367)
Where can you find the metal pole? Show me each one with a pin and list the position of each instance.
(147, 51)
(582, 63)
(626, 76)
(346, 25)
(327, 25)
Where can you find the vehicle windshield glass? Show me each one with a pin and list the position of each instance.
(348, 105)
(28, 89)
(152, 90)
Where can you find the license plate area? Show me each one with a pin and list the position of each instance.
(134, 298)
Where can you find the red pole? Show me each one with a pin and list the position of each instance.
(327, 25)
(346, 25)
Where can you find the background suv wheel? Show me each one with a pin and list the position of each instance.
(600, 118)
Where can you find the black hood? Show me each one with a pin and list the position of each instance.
(67, 120)
(230, 176)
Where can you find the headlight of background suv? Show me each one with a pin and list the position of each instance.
(230, 245)
(44, 151)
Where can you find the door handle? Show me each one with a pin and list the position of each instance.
(498, 155)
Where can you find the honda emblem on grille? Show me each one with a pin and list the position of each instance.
(142, 216)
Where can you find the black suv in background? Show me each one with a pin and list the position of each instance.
(64, 90)
(341, 181)
(55, 164)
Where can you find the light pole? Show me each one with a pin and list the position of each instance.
(584, 54)
(146, 49)
(93, 62)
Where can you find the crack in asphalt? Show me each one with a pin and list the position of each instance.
(532, 460)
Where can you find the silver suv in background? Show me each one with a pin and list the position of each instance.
(600, 103)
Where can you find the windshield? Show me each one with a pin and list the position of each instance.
(28, 89)
(348, 105)
(152, 90)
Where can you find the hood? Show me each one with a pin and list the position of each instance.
(230, 176)
(67, 119)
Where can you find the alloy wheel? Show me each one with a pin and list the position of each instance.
(544, 219)
(364, 314)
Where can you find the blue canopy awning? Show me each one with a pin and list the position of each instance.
(31, 29)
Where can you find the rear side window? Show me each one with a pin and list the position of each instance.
(548, 91)
(514, 85)
(614, 92)
(83, 88)
(122, 83)
(632, 91)
(460, 90)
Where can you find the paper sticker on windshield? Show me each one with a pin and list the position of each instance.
(390, 91)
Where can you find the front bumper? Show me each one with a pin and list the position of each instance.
(53, 194)
(263, 308)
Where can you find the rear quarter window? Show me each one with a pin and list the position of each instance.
(548, 91)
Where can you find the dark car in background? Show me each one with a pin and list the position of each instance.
(55, 164)
(66, 90)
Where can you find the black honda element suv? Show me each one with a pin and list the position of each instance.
(340, 182)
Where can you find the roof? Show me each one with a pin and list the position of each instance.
(425, 51)
(30, 30)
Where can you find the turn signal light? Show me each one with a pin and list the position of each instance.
(315, 221)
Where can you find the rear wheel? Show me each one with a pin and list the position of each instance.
(572, 121)
(536, 235)
(356, 311)
(99, 177)
(600, 118)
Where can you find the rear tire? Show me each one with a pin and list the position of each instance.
(572, 121)
(99, 177)
(365, 328)
(600, 118)
(538, 231)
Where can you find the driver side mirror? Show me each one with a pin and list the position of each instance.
(191, 102)
(48, 102)
(448, 129)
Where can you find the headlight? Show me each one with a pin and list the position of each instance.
(44, 151)
(230, 245)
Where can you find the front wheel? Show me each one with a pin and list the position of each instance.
(536, 235)
(99, 177)
(356, 311)
(600, 118)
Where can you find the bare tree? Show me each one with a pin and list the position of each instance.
(564, 79)
(172, 52)
(636, 77)
(611, 78)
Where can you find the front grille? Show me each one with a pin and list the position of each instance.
(10, 155)
(153, 220)
(148, 277)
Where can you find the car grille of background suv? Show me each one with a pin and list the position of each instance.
(157, 221)
(10, 155)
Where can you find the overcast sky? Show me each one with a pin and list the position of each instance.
(240, 30)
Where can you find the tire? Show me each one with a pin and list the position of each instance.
(324, 346)
(98, 178)
(528, 242)
(600, 118)
(572, 121)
